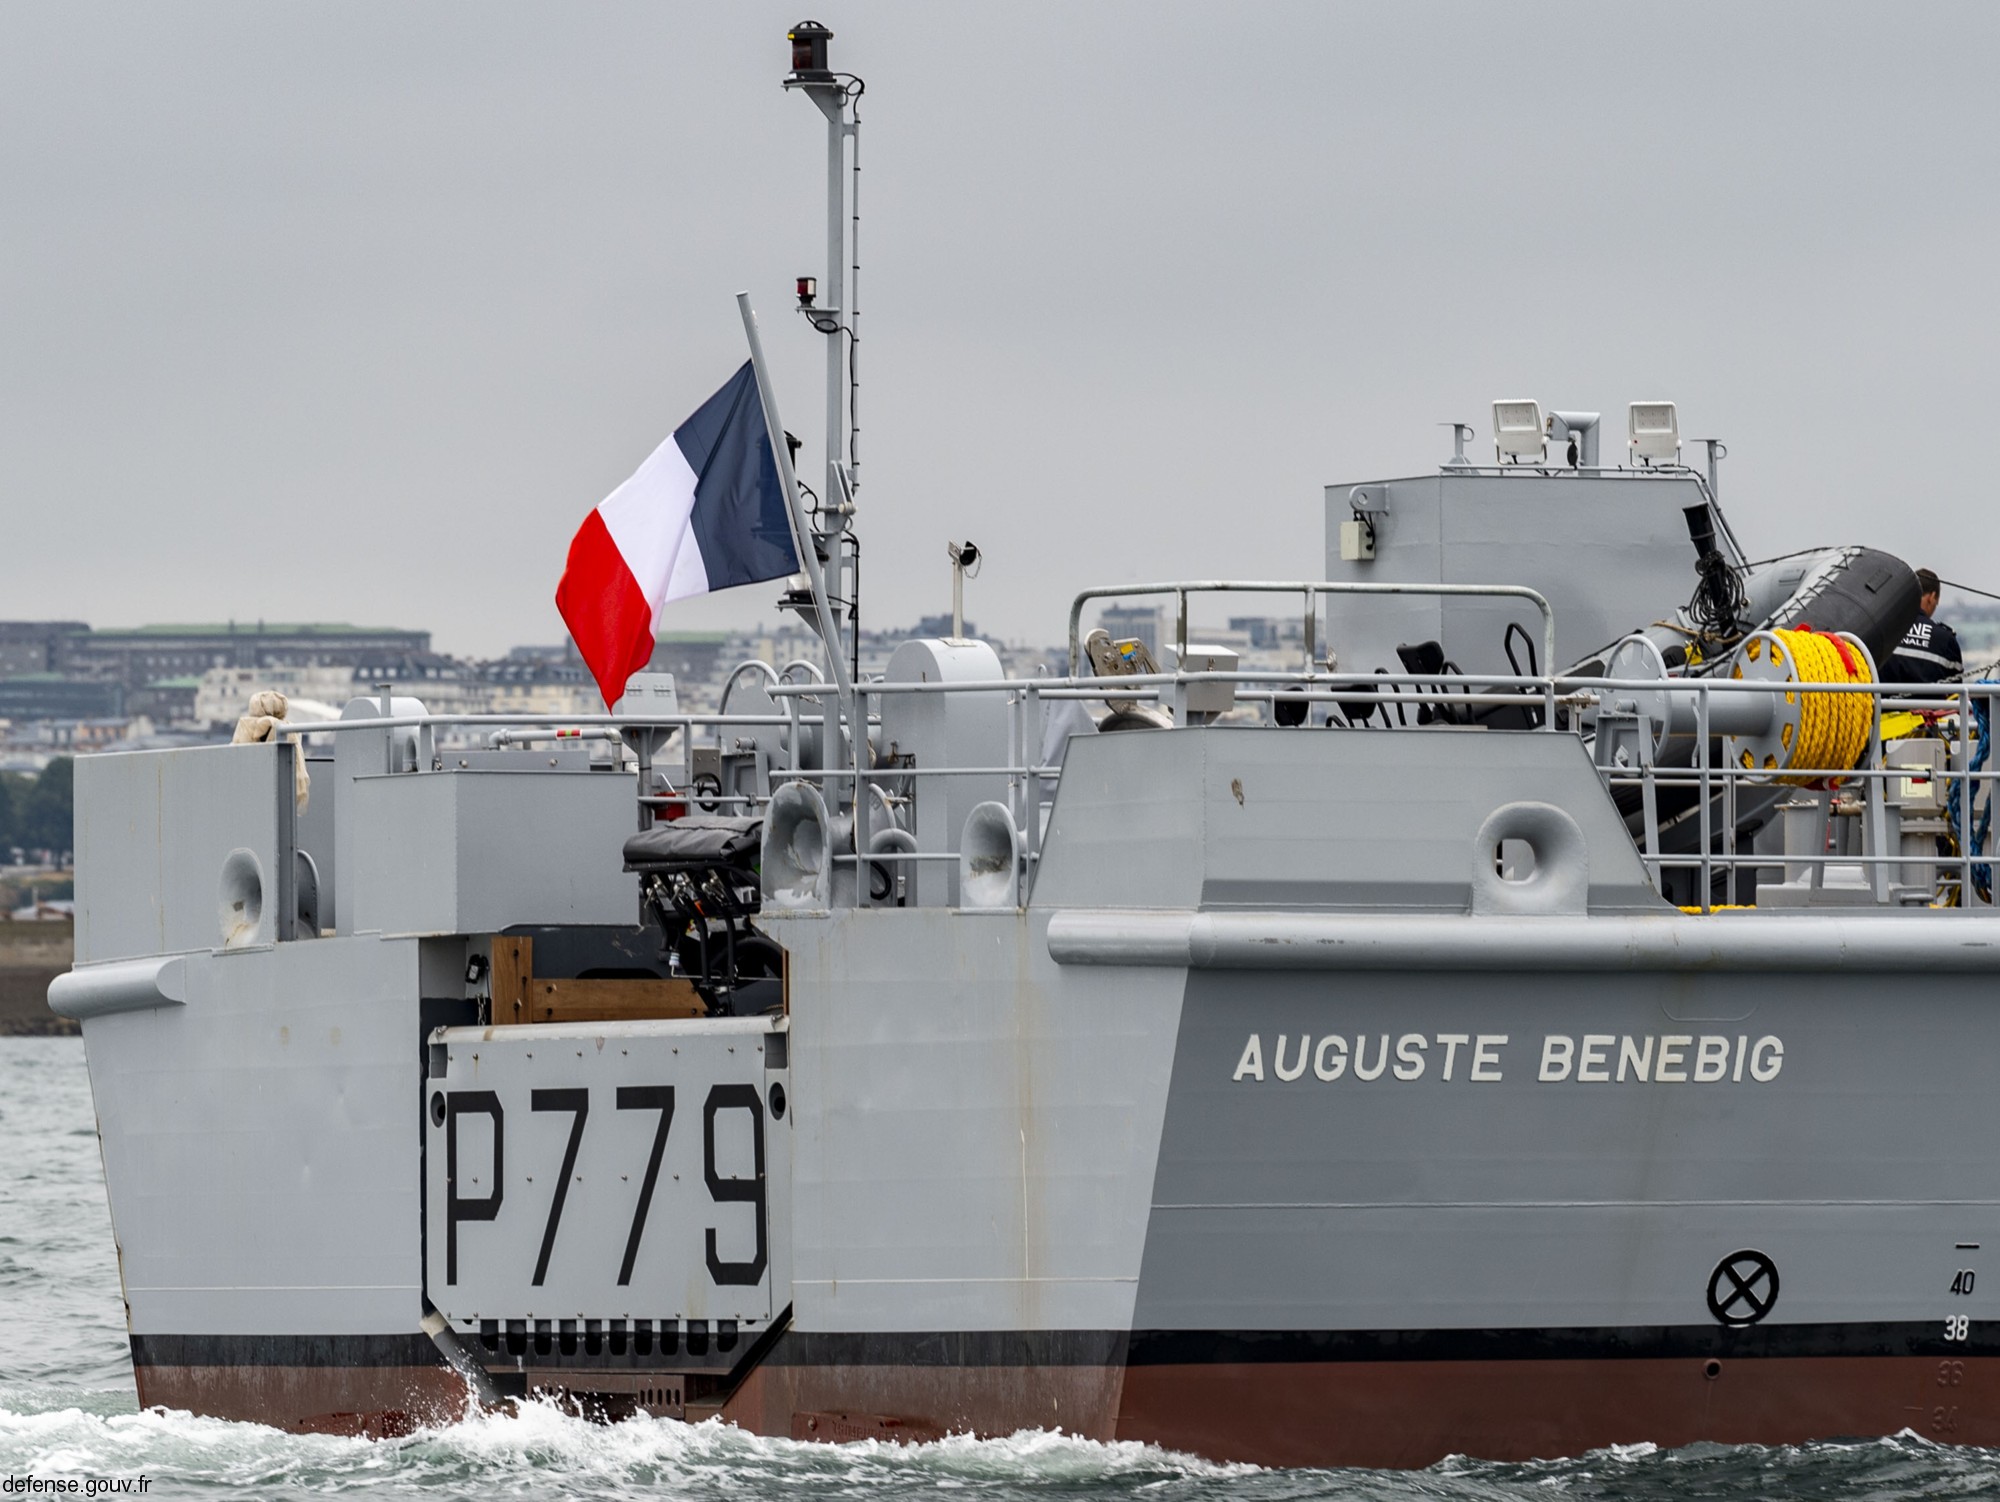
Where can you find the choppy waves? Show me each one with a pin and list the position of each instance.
(539, 1452)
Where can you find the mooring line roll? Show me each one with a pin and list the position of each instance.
(1817, 732)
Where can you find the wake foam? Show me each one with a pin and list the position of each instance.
(538, 1450)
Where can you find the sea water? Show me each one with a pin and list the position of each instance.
(68, 1413)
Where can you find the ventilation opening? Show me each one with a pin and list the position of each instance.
(241, 904)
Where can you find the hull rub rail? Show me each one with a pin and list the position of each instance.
(1317, 941)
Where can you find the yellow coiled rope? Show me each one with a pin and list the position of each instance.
(1820, 734)
(1833, 728)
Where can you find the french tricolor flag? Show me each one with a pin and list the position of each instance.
(705, 512)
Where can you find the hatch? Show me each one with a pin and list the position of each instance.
(607, 1194)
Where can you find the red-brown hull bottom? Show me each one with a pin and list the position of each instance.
(1377, 1414)
(1405, 1414)
(378, 1401)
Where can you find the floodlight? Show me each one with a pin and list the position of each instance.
(1518, 432)
(1656, 432)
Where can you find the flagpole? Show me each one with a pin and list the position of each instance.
(802, 536)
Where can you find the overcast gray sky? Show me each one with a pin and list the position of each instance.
(352, 312)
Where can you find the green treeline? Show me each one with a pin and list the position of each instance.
(36, 813)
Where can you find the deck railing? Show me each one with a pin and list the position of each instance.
(1560, 704)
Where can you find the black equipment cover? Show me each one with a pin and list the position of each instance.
(696, 842)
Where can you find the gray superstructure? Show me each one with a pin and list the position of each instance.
(1496, 1034)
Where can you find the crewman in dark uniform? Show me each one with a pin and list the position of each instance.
(1929, 653)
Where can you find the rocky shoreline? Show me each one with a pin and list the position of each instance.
(32, 955)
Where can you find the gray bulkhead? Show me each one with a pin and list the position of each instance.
(1360, 1145)
(999, 1141)
(260, 1147)
(979, 1125)
(1836, 1122)
(975, 1139)
(515, 839)
(259, 1084)
(1610, 552)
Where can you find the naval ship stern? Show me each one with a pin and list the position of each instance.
(1319, 1066)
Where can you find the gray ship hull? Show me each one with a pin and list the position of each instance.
(1257, 1132)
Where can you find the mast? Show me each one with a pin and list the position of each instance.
(835, 316)
(827, 543)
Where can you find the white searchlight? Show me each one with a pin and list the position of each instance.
(1518, 432)
(1655, 433)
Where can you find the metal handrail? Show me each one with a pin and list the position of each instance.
(1321, 685)
(1311, 589)
(1027, 779)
